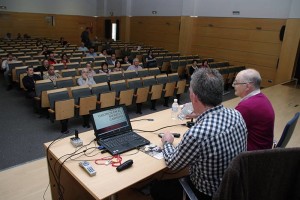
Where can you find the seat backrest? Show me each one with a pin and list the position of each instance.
(149, 81)
(118, 85)
(68, 72)
(143, 72)
(57, 95)
(20, 70)
(114, 76)
(59, 66)
(100, 88)
(79, 92)
(288, 131)
(64, 82)
(162, 78)
(43, 85)
(173, 77)
(134, 83)
(130, 74)
(154, 71)
(263, 174)
(32, 62)
(87, 59)
(14, 65)
(75, 59)
(73, 65)
(100, 78)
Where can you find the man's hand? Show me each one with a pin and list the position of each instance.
(167, 137)
(191, 116)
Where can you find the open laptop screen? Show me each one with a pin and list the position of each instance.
(110, 120)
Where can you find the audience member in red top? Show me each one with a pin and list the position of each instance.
(204, 64)
(64, 60)
(51, 59)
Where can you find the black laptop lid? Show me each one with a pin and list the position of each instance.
(111, 121)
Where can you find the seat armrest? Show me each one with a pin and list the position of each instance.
(51, 111)
(187, 189)
(37, 98)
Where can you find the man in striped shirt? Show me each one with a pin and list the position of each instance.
(219, 134)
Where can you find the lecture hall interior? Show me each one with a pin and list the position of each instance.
(231, 35)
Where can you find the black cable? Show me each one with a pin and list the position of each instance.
(159, 128)
(46, 191)
(49, 165)
(59, 173)
(142, 120)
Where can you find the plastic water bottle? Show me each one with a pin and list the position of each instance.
(174, 111)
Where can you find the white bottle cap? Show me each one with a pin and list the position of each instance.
(175, 100)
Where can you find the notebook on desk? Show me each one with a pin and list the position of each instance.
(113, 130)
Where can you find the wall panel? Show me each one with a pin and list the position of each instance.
(251, 42)
(156, 31)
(41, 25)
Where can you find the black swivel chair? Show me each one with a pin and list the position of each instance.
(287, 132)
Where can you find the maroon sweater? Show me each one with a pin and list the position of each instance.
(259, 116)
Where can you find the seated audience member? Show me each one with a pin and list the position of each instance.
(7, 71)
(126, 60)
(103, 53)
(26, 36)
(256, 110)
(91, 53)
(51, 59)
(112, 60)
(219, 134)
(83, 48)
(90, 70)
(135, 65)
(42, 68)
(193, 68)
(45, 51)
(19, 36)
(29, 82)
(64, 60)
(84, 79)
(204, 64)
(118, 67)
(8, 36)
(63, 42)
(150, 59)
(104, 68)
(51, 75)
(126, 51)
(38, 44)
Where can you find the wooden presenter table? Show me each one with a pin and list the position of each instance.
(77, 184)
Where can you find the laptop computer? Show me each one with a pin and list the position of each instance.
(113, 130)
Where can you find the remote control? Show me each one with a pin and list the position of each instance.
(88, 168)
(124, 165)
(176, 135)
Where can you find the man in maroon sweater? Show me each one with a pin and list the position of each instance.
(256, 110)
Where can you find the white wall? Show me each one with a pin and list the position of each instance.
(295, 9)
(162, 7)
(67, 7)
(216, 8)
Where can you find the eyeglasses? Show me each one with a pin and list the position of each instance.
(242, 83)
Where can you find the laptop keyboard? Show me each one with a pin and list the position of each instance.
(123, 139)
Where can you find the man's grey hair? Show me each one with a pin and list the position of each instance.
(253, 76)
(207, 84)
